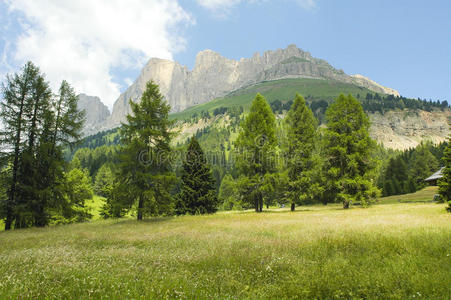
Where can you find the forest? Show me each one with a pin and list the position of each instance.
(48, 171)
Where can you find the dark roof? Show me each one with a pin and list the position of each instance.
(436, 175)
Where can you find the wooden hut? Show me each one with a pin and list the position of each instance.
(433, 179)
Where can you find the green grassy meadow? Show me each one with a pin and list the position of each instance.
(284, 89)
(388, 251)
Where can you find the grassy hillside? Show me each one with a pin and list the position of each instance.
(388, 251)
(284, 89)
(424, 195)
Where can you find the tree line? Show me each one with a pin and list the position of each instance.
(405, 171)
(333, 164)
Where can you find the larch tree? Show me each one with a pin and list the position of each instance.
(256, 149)
(198, 192)
(298, 147)
(348, 150)
(33, 142)
(16, 107)
(144, 161)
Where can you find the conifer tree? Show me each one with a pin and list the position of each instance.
(62, 126)
(198, 192)
(423, 164)
(144, 167)
(104, 181)
(445, 181)
(348, 149)
(16, 106)
(34, 138)
(256, 145)
(298, 149)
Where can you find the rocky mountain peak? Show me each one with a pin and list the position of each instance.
(96, 112)
(215, 76)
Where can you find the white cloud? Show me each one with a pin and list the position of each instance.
(82, 40)
(218, 4)
(222, 7)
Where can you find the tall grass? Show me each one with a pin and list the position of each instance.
(388, 251)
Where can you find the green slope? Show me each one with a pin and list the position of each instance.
(283, 90)
(424, 195)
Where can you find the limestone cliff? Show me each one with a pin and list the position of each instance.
(96, 113)
(407, 128)
(214, 76)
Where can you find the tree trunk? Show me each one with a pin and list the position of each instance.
(9, 216)
(256, 205)
(140, 208)
(261, 205)
(345, 204)
(293, 206)
(12, 191)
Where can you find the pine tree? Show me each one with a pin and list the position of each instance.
(256, 145)
(144, 167)
(198, 192)
(348, 149)
(298, 149)
(445, 181)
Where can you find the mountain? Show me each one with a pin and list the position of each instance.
(209, 96)
(97, 113)
(215, 76)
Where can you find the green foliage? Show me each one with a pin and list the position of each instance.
(445, 181)
(198, 192)
(256, 148)
(348, 153)
(404, 172)
(298, 150)
(38, 125)
(78, 190)
(104, 181)
(229, 194)
(144, 177)
(423, 165)
(94, 159)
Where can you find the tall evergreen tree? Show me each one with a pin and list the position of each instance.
(395, 177)
(144, 167)
(298, 149)
(198, 192)
(33, 139)
(445, 181)
(16, 106)
(256, 145)
(62, 127)
(348, 149)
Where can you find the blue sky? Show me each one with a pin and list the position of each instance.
(405, 45)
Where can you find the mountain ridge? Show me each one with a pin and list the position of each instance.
(215, 76)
